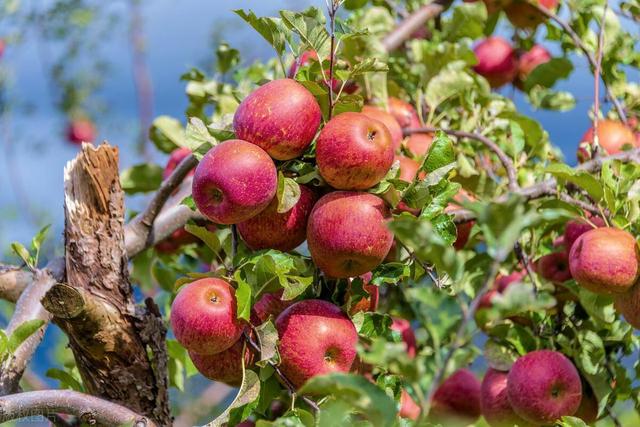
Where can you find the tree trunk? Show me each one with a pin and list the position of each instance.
(120, 350)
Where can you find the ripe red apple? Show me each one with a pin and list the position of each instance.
(529, 60)
(628, 304)
(354, 151)
(554, 267)
(177, 156)
(503, 282)
(347, 233)
(523, 15)
(281, 117)
(369, 303)
(282, 231)
(456, 401)
(418, 144)
(408, 407)
(270, 304)
(81, 130)
(499, 286)
(497, 61)
(577, 227)
(316, 338)
(543, 386)
(496, 409)
(203, 316)
(388, 120)
(404, 113)
(403, 327)
(177, 239)
(234, 181)
(613, 137)
(605, 260)
(226, 366)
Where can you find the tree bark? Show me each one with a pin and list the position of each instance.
(119, 349)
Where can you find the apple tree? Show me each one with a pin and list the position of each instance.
(362, 230)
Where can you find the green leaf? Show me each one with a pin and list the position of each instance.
(548, 73)
(310, 25)
(189, 202)
(440, 154)
(36, 242)
(498, 356)
(371, 324)
(271, 29)
(288, 193)
(22, 332)
(567, 421)
(446, 84)
(167, 133)
(541, 97)
(227, 57)
(356, 392)
(581, 178)
(468, 20)
(209, 238)
(268, 339)
(141, 178)
(19, 249)
(67, 381)
(243, 297)
(248, 394)
(197, 137)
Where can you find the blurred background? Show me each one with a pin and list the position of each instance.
(118, 64)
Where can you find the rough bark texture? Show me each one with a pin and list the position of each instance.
(109, 337)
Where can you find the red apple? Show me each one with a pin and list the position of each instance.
(588, 409)
(369, 303)
(628, 304)
(234, 181)
(270, 304)
(203, 316)
(282, 231)
(543, 386)
(456, 401)
(503, 282)
(177, 239)
(418, 144)
(176, 157)
(81, 130)
(404, 113)
(408, 407)
(281, 117)
(497, 61)
(316, 338)
(577, 227)
(347, 234)
(605, 260)
(613, 137)
(388, 120)
(554, 267)
(499, 286)
(354, 151)
(529, 60)
(523, 15)
(463, 230)
(496, 409)
(403, 327)
(226, 366)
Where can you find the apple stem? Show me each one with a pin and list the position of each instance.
(234, 247)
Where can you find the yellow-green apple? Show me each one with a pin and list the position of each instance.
(81, 130)
(388, 120)
(496, 409)
(403, 327)
(554, 267)
(270, 304)
(577, 227)
(543, 386)
(354, 151)
(497, 61)
(281, 117)
(524, 15)
(456, 401)
(284, 231)
(408, 407)
(234, 181)
(605, 260)
(347, 233)
(613, 137)
(315, 338)
(203, 316)
(404, 113)
(418, 144)
(528, 62)
(226, 366)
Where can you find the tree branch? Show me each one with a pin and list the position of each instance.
(413, 22)
(597, 77)
(13, 280)
(506, 161)
(89, 409)
(580, 45)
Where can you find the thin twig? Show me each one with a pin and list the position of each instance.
(333, 8)
(580, 45)
(526, 264)
(426, 267)
(234, 248)
(596, 83)
(457, 340)
(507, 163)
(287, 383)
(412, 23)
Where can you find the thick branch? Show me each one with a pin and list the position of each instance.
(13, 280)
(90, 409)
(412, 23)
(504, 159)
